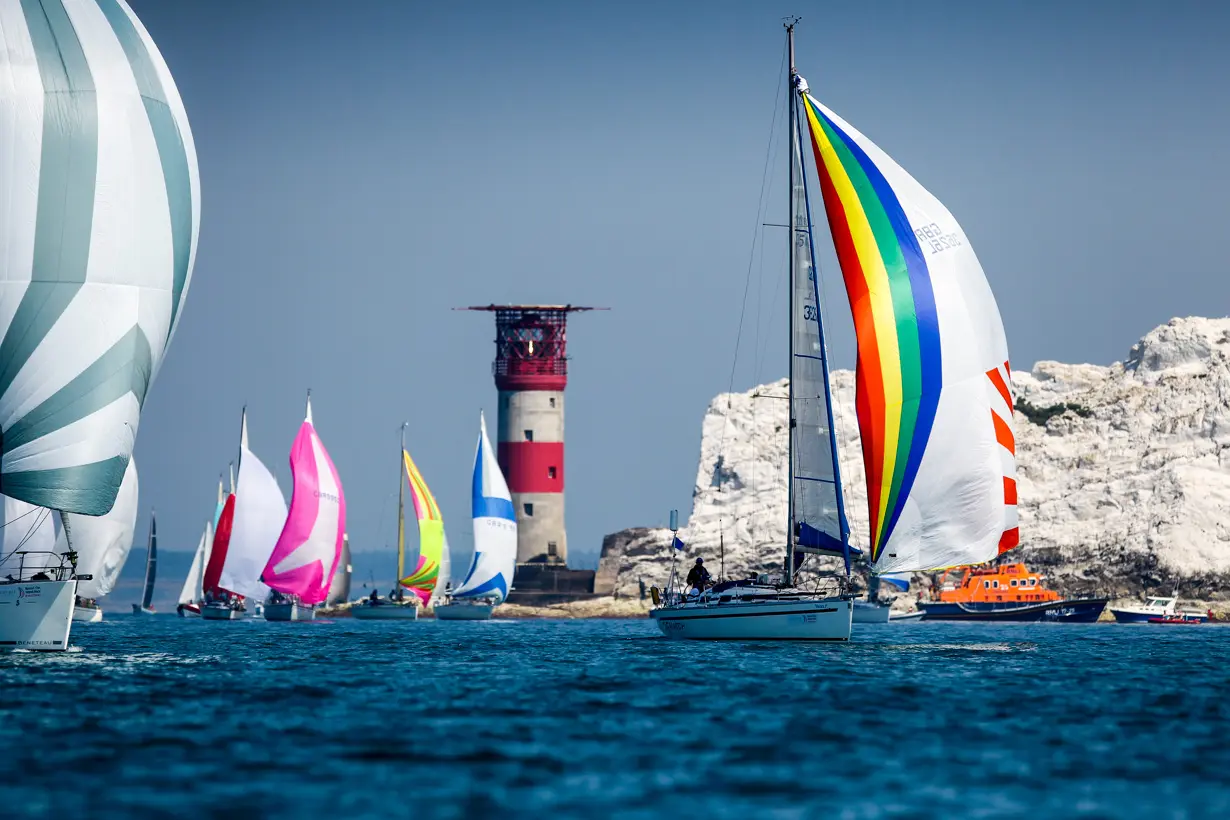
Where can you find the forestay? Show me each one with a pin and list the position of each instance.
(933, 386)
(99, 222)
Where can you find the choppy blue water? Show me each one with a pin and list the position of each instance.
(169, 718)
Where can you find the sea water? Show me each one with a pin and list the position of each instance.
(162, 717)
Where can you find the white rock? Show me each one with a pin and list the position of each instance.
(1124, 474)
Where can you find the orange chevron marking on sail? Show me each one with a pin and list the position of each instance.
(1003, 433)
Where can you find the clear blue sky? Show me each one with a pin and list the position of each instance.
(368, 165)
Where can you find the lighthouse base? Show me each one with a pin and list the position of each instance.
(541, 584)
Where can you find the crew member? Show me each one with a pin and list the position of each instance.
(698, 576)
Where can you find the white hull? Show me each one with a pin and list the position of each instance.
(908, 616)
(798, 619)
(137, 609)
(385, 612)
(36, 614)
(221, 613)
(289, 612)
(866, 612)
(87, 615)
(463, 612)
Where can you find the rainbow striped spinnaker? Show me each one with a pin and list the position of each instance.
(933, 384)
(433, 546)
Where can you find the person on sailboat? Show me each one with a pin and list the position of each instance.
(375, 597)
(698, 577)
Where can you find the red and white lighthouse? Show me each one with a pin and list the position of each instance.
(531, 372)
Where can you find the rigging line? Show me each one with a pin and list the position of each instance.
(747, 282)
(41, 511)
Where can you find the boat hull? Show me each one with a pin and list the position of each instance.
(385, 612)
(822, 619)
(866, 612)
(289, 612)
(37, 615)
(906, 616)
(1131, 616)
(137, 609)
(463, 612)
(87, 614)
(1081, 611)
(221, 613)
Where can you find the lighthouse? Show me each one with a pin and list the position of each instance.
(531, 372)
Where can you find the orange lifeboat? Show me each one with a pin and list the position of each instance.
(1009, 592)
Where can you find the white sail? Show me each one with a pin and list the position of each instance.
(103, 542)
(495, 528)
(191, 592)
(339, 587)
(98, 234)
(27, 529)
(260, 513)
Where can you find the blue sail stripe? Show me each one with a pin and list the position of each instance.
(489, 507)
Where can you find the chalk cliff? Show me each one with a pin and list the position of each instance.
(1123, 471)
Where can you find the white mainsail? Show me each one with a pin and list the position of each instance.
(99, 222)
(495, 528)
(192, 591)
(103, 542)
(260, 513)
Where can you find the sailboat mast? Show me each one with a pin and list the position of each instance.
(788, 566)
(401, 509)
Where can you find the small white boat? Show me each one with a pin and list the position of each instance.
(87, 613)
(1157, 610)
(383, 610)
(289, 611)
(870, 612)
(219, 611)
(463, 610)
(917, 615)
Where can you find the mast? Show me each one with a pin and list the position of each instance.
(788, 566)
(401, 510)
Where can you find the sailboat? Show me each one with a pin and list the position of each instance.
(397, 607)
(933, 402)
(257, 514)
(99, 229)
(430, 575)
(490, 577)
(103, 543)
(146, 607)
(339, 587)
(192, 594)
(309, 547)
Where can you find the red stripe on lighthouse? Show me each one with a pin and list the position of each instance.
(532, 466)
